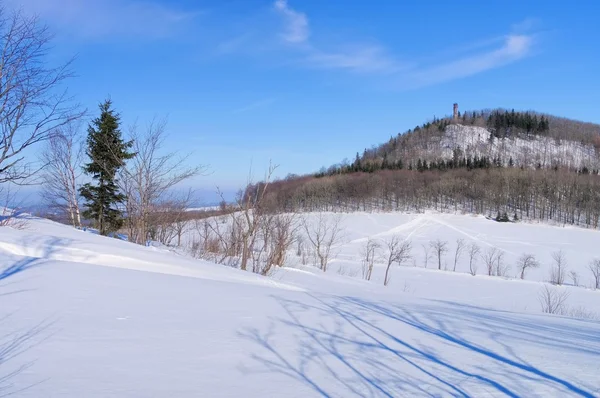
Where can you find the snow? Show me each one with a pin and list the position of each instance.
(547, 151)
(84, 315)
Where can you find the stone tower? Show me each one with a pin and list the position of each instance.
(455, 112)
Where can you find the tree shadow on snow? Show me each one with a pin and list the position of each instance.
(51, 246)
(16, 341)
(346, 346)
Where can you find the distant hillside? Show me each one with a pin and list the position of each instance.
(495, 137)
(504, 164)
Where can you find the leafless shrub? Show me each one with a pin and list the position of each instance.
(398, 252)
(323, 234)
(278, 233)
(368, 254)
(594, 267)
(460, 247)
(10, 212)
(166, 222)
(347, 271)
(574, 278)
(439, 247)
(553, 300)
(217, 241)
(207, 245)
(559, 268)
(474, 251)
(582, 313)
(490, 259)
(525, 262)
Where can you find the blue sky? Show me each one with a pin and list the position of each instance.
(308, 83)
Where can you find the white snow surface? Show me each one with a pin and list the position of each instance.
(87, 316)
(525, 151)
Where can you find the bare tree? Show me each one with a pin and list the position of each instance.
(439, 247)
(250, 213)
(398, 252)
(553, 301)
(595, 269)
(62, 157)
(474, 251)
(460, 247)
(501, 268)
(559, 269)
(323, 234)
(148, 177)
(32, 105)
(525, 262)
(489, 258)
(368, 254)
(427, 255)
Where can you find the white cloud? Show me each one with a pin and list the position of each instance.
(296, 23)
(514, 48)
(107, 18)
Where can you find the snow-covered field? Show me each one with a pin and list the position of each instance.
(83, 315)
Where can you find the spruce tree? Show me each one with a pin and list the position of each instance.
(107, 153)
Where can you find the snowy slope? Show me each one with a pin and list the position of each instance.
(84, 315)
(527, 151)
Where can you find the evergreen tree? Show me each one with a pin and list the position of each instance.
(107, 152)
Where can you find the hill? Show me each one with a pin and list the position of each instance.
(527, 139)
(86, 315)
(522, 164)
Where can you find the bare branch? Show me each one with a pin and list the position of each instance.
(31, 104)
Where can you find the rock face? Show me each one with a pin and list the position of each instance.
(533, 151)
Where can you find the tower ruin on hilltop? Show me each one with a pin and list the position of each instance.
(455, 112)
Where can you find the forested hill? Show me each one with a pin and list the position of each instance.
(525, 164)
(484, 138)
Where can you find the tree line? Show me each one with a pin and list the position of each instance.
(548, 195)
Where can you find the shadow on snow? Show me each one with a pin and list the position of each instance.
(345, 346)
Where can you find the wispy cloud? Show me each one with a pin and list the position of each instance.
(94, 19)
(472, 59)
(363, 58)
(513, 48)
(254, 105)
(296, 23)
(355, 57)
